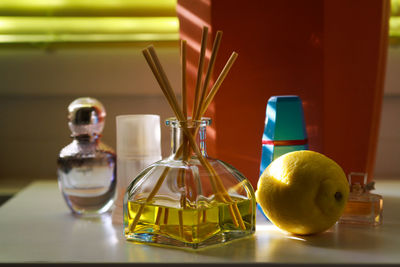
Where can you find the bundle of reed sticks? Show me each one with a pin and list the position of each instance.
(202, 100)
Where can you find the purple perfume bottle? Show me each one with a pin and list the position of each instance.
(87, 167)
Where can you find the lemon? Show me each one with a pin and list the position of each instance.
(303, 192)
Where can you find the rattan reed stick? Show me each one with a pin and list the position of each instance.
(159, 78)
(183, 76)
(210, 68)
(167, 85)
(200, 70)
(149, 198)
(218, 82)
(205, 103)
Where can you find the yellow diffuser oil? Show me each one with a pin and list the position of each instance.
(193, 227)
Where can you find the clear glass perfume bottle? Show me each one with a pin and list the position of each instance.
(87, 167)
(362, 207)
(189, 201)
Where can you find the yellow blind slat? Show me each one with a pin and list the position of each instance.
(131, 8)
(83, 25)
(88, 20)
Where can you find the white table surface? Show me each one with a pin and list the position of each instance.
(36, 226)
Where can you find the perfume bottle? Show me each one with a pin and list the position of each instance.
(362, 207)
(87, 167)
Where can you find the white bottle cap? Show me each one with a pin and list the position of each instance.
(138, 136)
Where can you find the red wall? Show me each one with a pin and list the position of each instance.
(331, 53)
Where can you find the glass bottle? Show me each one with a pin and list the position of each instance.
(86, 167)
(362, 206)
(189, 201)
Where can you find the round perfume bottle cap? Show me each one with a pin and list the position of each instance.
(86, 115)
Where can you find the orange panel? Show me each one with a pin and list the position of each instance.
(289, 47)
(355, 45)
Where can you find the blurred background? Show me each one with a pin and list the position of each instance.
(52, 52)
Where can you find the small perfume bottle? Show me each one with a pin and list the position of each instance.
(87, 167)
(362, 207)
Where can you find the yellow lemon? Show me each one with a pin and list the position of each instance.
(303, 192)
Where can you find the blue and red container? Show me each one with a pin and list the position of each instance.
(284, 130)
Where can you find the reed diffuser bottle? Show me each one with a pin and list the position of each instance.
(177, 201)
(189, 199)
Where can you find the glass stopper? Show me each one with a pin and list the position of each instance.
(86, 116)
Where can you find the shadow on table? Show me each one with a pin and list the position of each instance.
(360, 237)
(4, 198)
(345, 237)
(236, 250)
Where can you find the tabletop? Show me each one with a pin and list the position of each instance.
(37, 226)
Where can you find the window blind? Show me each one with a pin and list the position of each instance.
(394, 22)
(34, 21)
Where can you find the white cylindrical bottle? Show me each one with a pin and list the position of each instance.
(138, 145)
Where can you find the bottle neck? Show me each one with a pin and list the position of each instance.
(179, 141)
(87, 138)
